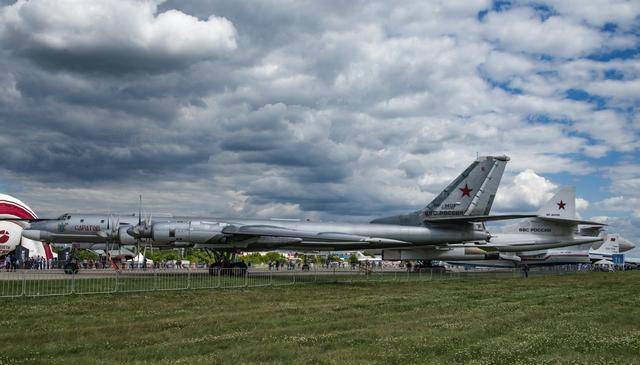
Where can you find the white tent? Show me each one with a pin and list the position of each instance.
(604, 262)
(140, 259)
(605, 265)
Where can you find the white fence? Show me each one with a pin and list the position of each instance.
(33, 283)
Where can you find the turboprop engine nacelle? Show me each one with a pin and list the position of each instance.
(124, 238)
(177, 233)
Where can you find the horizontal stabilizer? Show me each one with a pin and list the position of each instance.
(476, 218)
(593, 231)
(571, 221)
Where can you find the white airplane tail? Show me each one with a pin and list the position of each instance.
(557, 217)
(562, 205)
(610, 245)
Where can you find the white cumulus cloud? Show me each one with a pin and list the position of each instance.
(527, 191)
(110, 32)
(521, 29)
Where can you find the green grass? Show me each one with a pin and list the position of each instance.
(589, 318)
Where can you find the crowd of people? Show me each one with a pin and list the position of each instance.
(12, 263)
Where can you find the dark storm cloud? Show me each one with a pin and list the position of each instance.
(89, 162)
(107, 61)
(41, 88)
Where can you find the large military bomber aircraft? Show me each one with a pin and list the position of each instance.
(531, 241)
(455, 215)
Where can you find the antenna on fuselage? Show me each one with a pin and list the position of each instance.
(140, 211)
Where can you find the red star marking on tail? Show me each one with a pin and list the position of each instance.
(466, 191)
(561, 204)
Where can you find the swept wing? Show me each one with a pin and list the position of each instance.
(249, 231)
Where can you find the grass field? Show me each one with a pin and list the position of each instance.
(591, 318)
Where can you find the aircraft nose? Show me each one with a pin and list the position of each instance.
(625, 245)
(36, 235)
(32, 234)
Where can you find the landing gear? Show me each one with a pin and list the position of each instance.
(226, 264)
(428, 265)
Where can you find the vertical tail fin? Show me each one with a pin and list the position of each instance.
(562, 205)
(471, 193)
(613, 243)
(555, 218)
(610, 245)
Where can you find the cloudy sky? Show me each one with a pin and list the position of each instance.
(324, 110)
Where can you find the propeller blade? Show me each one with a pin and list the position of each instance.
(116, 226)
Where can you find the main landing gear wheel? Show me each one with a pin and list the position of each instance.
(226, 264)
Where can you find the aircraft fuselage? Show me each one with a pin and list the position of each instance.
(90, 228)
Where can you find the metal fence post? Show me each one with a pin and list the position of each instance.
(73, 283)
(246, 277)
(219, 279)
(189, 279)
(24, 284)
(155, 280)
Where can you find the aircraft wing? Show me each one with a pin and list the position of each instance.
(249, 231)
(476, 218)
(527, 246)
